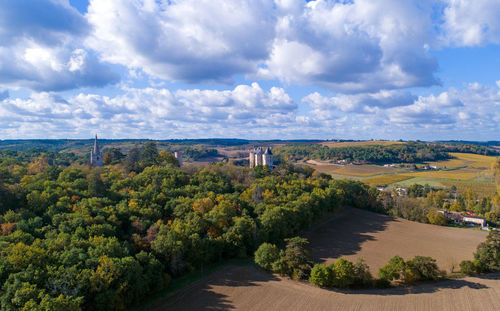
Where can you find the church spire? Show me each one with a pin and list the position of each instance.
(95, 154)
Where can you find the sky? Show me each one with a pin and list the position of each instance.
(252, 69)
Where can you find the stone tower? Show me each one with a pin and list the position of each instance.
(252, 158)
(178, 156)
(95, 154)
(258, 156)
(267, 157)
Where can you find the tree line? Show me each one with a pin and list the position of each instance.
(295, 261)
(410, 152)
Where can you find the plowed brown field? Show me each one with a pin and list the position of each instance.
(248, 288)
(355, 233)
(351, 234)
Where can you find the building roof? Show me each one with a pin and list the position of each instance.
(268, 151)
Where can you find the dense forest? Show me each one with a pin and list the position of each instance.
(410, 152)
(74, 237)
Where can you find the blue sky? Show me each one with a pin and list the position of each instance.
(255, 69)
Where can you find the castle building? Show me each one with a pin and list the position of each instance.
(257, 157)
(95, 154)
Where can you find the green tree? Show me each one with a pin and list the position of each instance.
(298, 257)
(437, 218)
(393, 270)
(344, 273)
(266, 255)
(467, 267)
(362, 275)
(322, 276)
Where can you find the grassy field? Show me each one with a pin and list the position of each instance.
(459, 174)
(384, 180)
(365, 170)
(333, 144)
(356, 233)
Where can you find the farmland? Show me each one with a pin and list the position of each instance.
(460, 174)
(384, 180)
(376, 238)
(352, 234)
(365, 170)
(249, 288)
(464, 170)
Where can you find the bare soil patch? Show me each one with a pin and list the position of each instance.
(249, 288)
(376, 238)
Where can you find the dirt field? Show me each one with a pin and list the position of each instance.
(322, 167)
(376, 238)
(248, 288)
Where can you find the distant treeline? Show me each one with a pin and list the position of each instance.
(410, 152)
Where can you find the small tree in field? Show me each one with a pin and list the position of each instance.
(321, 275)
(422, 268)
(344, 273)
(266, 255)
(362, 275)
(467, 267)
(393, 270)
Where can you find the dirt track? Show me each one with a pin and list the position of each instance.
(248, 288)
(375, 237)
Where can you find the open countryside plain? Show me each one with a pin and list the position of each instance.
(351, 234)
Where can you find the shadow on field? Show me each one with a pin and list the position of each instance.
(423, 288)
(202, 296)
(344, 234)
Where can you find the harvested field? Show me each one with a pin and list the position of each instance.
(460, 174)
(451, 163)
(333, 144)
(356, 233)
(351, 234)
(477, 160)
(248, 288)
(384, 180)
(365, 170)
(322, 167)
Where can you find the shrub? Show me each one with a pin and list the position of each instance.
(467, 267)
(266, 255)
(362, 275)
(344, 273)
(421, 268)
(298, 258)
(321, 275)
(393, 270)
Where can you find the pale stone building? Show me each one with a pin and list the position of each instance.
(257, 157)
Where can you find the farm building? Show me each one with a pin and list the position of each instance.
(462, 219)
